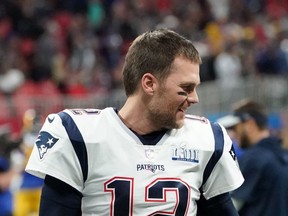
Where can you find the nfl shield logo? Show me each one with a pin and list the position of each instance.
(149, 153)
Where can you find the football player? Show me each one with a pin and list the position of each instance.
(147, 158)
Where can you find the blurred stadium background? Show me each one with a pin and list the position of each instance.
(57, 54)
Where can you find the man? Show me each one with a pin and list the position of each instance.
(148, 158)
(264, 163)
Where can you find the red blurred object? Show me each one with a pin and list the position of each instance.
(5, 28)
(27, 46)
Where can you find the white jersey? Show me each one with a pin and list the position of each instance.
(94, 152)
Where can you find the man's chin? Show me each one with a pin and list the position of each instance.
(179, 124)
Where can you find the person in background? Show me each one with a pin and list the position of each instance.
(27, 196)
(7, 172)
(6, 197)
(264, 162)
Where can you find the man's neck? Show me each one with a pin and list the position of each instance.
(134, 116)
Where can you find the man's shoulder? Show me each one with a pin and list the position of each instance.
(71, 117)
(81, 112)
(196, 119)
(88, 119)
(198, 124)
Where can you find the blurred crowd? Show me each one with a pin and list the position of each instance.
(77, 48)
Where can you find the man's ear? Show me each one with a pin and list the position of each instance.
(149, 83)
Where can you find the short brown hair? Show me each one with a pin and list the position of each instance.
(154, 52)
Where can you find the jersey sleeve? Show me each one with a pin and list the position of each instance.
(225, 175)
(54, 154)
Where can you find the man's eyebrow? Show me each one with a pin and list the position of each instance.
(188, 85)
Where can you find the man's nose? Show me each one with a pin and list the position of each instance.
(192, 98)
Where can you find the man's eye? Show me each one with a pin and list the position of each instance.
(183, 93)
(188, 90)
